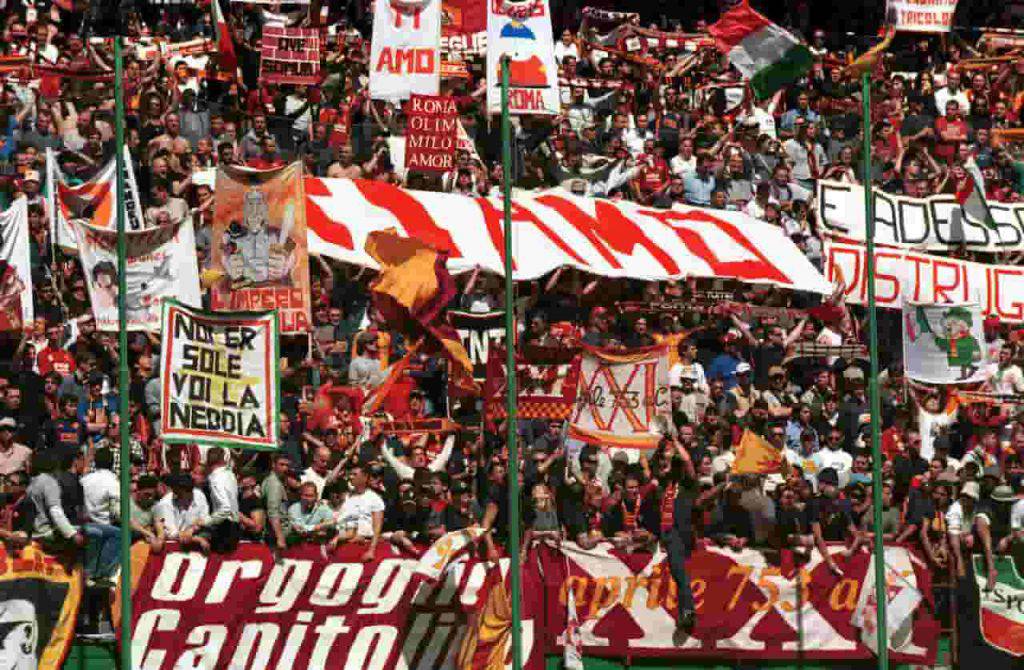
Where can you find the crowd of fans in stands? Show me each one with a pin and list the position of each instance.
(953, 480)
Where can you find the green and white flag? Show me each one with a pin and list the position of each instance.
(765, 53)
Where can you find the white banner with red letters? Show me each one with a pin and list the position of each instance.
(553, 229)
(921, 16)
(903, 275)
(405, 53)
(521, 29)
(621, 394)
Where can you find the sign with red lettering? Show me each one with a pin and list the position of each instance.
(611, 239)
(405, 52)
(259, 260)
(546, 382)
(621, 393)
(290, 55)
(464, 27)
(903, 275)
(921, 16)
(430, 133)
(218, 377)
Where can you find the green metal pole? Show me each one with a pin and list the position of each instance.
(510, 350)
(122, 382)
(876, 403)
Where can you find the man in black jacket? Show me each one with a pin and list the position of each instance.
(679, 541)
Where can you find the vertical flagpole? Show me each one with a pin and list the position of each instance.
(876, 404)
(122, 382)
(510, 375)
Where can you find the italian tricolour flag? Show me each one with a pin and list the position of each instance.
(971, 195)
(763, 52)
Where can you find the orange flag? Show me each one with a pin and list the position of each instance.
(489, 631)
(754, 456)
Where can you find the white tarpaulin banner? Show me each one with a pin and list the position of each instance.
(944, 344)
(405, 53)
(161, 264)
(921, 16)
(552, 229)
(521, 29)
(16, 308)
(936, 222)
(92, 201)
(219, 377)
(903, 275)
(621, 394)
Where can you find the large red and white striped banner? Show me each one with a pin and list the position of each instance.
(553, 229)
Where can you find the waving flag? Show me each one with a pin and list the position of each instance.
(755, 456)
(763, 52)
(225, 47)
(971, 196)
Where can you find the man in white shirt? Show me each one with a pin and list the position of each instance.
(222, 529)
(183, 513)
(1007, 377)
(951, 91)
(362, 514)
(832, 455)
(318, 473)
(102, 493)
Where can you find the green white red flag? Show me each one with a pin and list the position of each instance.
(765, 53)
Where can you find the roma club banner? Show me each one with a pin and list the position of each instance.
(521, 29)
(464, 26)
(479, 332)
(316, 611)
(936, 222)
(620, 395)
(405, 52)
(944, 344)
(921, 16)
(998, 614)
(161, 264)
(547, 381)
(259, 260)
(16, 308)
(903, 275)
(290, 55)
(91, 201)
(430, 133)
(218, 377)
(611, 239)
(747, 607)
(39, 600)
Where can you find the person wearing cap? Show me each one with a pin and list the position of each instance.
(14, 457)
(967, 523)
(723, 366)
(184, 512)
(831, 516)
(742, 395)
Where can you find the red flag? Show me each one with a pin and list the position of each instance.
(228, 61)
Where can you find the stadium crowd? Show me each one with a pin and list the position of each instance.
(953, 479)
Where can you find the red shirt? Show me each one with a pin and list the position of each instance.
(55, 360)
(946, 151)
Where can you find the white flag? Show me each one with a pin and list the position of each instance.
(433, 563)
(16, 309)
(902, 598)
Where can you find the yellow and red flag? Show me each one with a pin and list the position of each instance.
(755, 456)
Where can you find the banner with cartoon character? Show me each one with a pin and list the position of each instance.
(521, 30)
(259, 258)
(39, 600)
(405, 52)
(944, 344)
(161, 263)
(16, 307)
